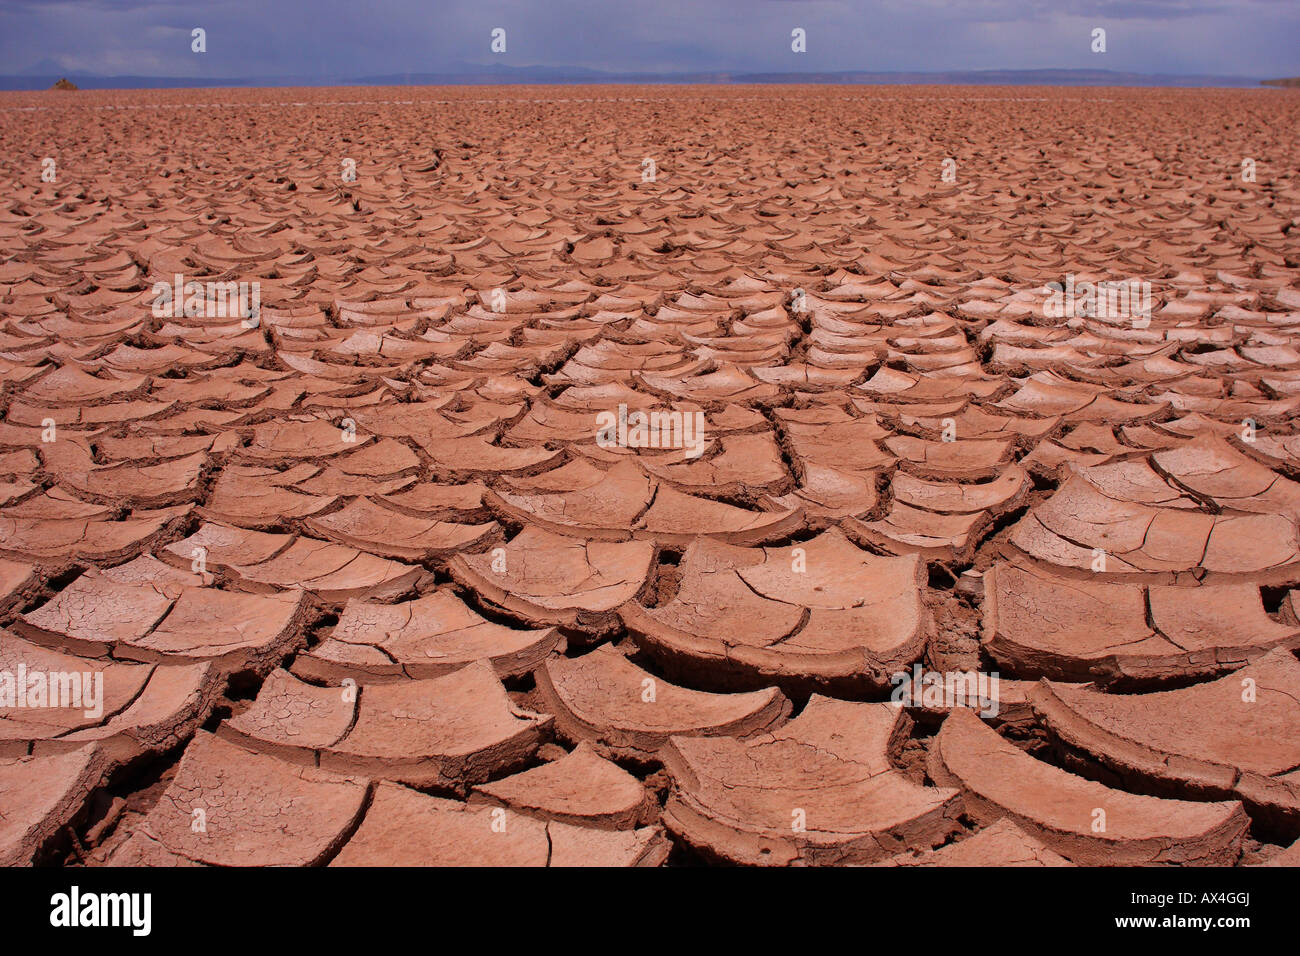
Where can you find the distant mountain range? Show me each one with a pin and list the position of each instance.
(43, 75)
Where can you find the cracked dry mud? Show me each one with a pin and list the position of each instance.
(363, 585)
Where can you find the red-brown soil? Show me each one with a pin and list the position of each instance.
(598, 457)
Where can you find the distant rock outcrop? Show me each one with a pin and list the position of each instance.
(1285, 81)
(64, 84)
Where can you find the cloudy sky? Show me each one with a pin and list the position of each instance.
(366, 37)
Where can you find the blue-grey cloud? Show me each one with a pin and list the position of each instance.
(366, 37)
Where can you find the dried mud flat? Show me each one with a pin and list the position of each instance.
(363, 581)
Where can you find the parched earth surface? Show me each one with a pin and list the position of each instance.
(367, 576)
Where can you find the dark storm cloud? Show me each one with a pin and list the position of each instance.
(364, 37)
